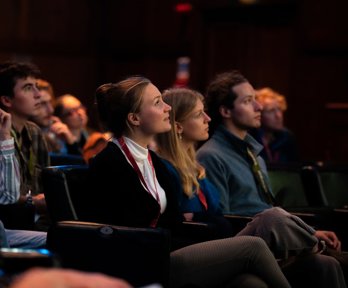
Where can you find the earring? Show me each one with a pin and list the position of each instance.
(180, 136)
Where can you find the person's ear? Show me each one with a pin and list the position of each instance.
(6, 101)
(178, 128)
(133, 119)
(225, 111)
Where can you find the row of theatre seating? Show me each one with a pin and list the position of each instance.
(139, 255)
(317, 184)
(295, 184)
(316, 193)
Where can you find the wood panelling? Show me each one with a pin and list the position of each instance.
(299, 48)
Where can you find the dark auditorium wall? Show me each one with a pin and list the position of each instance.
(299, 48)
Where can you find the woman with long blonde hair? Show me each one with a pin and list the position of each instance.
(197, 197)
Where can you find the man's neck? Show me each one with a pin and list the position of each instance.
(77, 133)
(238, 132)
(18, 122)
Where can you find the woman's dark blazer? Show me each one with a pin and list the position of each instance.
(116, 196)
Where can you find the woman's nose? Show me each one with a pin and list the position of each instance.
(206, 117)
(167, 107)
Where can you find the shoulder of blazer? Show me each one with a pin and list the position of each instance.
(110, 158)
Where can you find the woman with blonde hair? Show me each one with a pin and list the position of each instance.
(198, 199)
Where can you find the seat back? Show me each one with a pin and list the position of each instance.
(138, 255)
(313, 186)
(310, 183)
(297, 185)
(334, 180)
(18, 216)
(62, 187)
(287, 185)
(57, 159)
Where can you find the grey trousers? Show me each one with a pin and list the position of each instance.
(232, 262)
(316, 270)
(284, 233)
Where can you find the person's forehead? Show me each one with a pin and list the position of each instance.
(71, 102)
(270, 103)
(199, 105)
(25, 80)
(150, 88)
(151, 92)
(243, 89)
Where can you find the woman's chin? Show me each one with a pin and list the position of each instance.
(168, 128)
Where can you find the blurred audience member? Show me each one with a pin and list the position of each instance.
(71, 111)
(94, 144)
(55, 131)
(66, 278)
(44, 116)
(279, 143)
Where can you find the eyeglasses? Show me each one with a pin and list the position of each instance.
(72, 111)
(273, 111)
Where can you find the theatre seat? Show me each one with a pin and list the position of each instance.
(287, 185)
(63, 187)
(304, 191)
(65, 159)
(334, 181)
(138, 255)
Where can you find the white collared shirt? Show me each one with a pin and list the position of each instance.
(140, 155)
